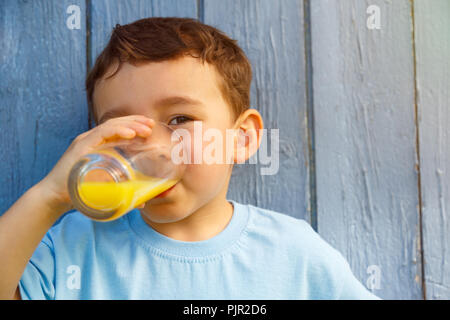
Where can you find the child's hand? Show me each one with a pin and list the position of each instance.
(55, 183)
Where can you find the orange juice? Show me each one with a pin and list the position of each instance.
(118, 177)
(121, 196)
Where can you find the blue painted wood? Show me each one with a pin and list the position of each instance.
(432, 43)
(365, 133)
(271, 34)
(43, 105)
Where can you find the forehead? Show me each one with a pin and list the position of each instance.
(140, 86)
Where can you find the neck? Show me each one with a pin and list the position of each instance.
(203, 224)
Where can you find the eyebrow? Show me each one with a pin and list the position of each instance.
(164, 102)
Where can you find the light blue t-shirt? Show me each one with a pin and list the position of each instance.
(261, 254)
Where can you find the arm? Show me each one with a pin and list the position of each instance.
(25, 224)
(22, 227)
(17, 295)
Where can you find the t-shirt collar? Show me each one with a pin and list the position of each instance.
(212, 246)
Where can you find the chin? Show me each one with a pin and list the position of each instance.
(164, 212)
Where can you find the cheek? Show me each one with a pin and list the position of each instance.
(204, 177)
(211, 147)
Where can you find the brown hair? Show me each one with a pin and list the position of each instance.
(160, 39)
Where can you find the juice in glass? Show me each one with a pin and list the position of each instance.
(122, 196)
(114, 179)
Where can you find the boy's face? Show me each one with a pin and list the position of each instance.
(176, 93)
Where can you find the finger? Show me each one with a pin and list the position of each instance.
(140, 129)
(126, 127)
(147, 121)
(138, 118)
(106, 133)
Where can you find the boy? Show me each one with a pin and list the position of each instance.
(190, 243)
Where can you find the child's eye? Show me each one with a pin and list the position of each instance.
(179, 119)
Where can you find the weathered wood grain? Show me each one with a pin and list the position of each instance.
(365, 134)
(43, 105)
(432, 44)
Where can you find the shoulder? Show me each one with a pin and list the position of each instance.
(307, 252)
(75, 228)
(286, 229)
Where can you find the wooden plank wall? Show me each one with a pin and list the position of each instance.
(362, 116)
(42, 99)
(432, 47)
(365, 133)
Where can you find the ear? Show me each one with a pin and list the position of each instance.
(248, 135)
